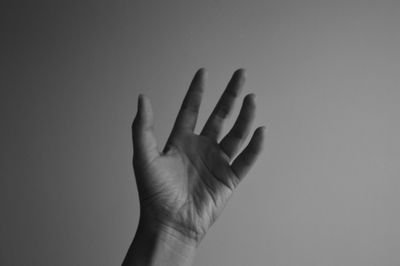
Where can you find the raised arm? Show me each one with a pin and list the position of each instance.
(184, 187)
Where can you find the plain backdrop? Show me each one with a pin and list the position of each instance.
(327, 78)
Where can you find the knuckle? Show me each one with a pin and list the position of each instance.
(223, 111)
(237, 134)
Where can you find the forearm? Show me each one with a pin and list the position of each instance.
(156, 245)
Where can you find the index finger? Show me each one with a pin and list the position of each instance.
(187, 115)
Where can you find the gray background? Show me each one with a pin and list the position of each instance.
(326, 75)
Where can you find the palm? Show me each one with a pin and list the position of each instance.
(188, 184)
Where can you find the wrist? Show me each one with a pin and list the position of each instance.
(156, 243)
(171, 225)
(166, 232)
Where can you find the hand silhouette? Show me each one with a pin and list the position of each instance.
(184, 187)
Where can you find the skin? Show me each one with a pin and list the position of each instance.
(184, 188)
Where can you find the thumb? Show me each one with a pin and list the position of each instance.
(144, 142)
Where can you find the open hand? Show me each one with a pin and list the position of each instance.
(184, 187)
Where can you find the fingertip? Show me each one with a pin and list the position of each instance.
(145, 111)
(143, 101)
(249, 103)
(199, 79)
(139, 113)
(139, 100)
(241, 73)
(138, 110)
(202, 72)
(260, 135)
(262, 129)
(239, 77)
(147, 103)
(143, 97)
(250, 97)
(260, 132)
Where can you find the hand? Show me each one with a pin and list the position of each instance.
(184, 188)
